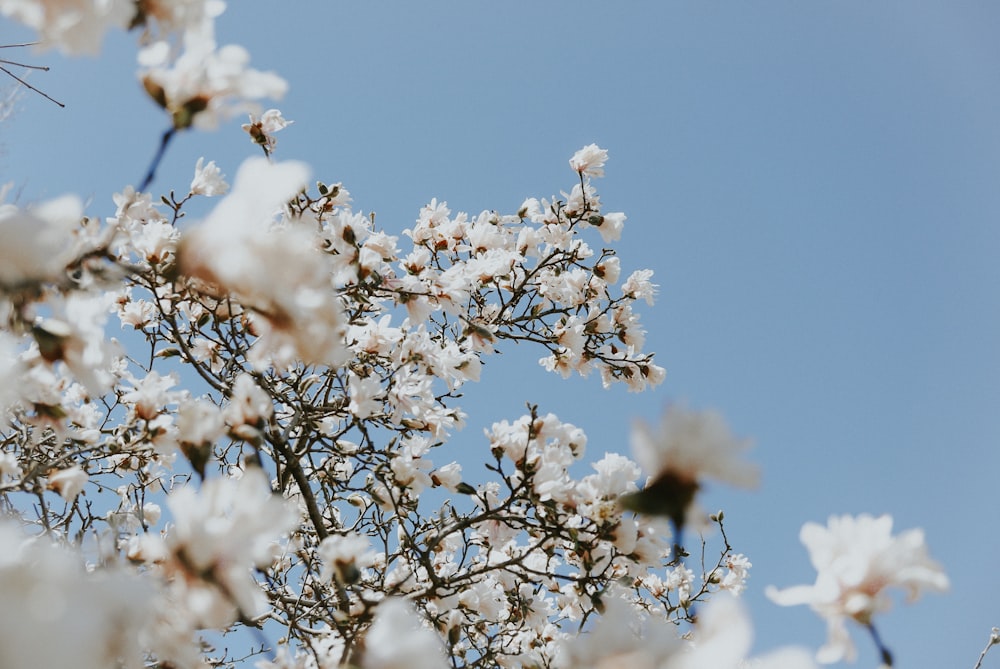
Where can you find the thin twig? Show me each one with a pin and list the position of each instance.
(26, 84)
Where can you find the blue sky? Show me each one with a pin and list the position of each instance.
(814, 184)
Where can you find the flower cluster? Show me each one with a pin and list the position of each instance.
(257, 450)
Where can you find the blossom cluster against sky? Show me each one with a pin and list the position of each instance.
(814, 186)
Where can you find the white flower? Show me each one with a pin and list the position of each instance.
(589, 160)
(276, 271)
(738, 572)
(856, 559)
(687, 448)
(208, 180)
(73, 26)
(11, 369)
(397, 640)
(722, 640)
(36, 244)
(248, 404)
(68, 482)
(621, 639)
(57, 614)
(638, 286)
(220, 532)
(344, 556)
(262, 130)
(205, 83)
(75, 335)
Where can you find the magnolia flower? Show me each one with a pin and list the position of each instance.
(344, 556)
(261, 130)
(276, 271)
(75, 336)
(56, 613)
(68, 482)
(208, 179)
(36, 244)
(856, 559)
(220, 532)
(72, 26)
(11, 369)
(589, 160)
(397, 640)
(206, 83)
(688, 448)
(721, 639)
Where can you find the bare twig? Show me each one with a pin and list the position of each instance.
(26, 66)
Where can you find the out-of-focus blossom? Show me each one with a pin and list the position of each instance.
(722, 639)
(57, 614)
(589, 160)
(11, 369)
(177, 16)
(249, 407)
(624, 639)
(344, 556)
(75, 335)
(856, 559)
(36, 244)
(276, 271)
(397, 640)
(72, 26)
(68, 482)
(205, 83)
(687, 448)
(219, 533)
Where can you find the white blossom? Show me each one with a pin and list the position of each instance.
(589, 160)
(208, 179)
(57, 614)
(397, 640)
(36, 244)
(68, 482)
(856, 559)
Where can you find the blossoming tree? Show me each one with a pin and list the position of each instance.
(251, 475)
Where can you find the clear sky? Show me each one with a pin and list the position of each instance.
(814, 184)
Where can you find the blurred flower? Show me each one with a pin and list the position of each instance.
(68, 482)
(625, 639)
(36, 244)
(397, 640)
(72, 26)
(206, 83)
(219, 533)
(856, 559)
(274, 269)
(57, 614)
(688, 448)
